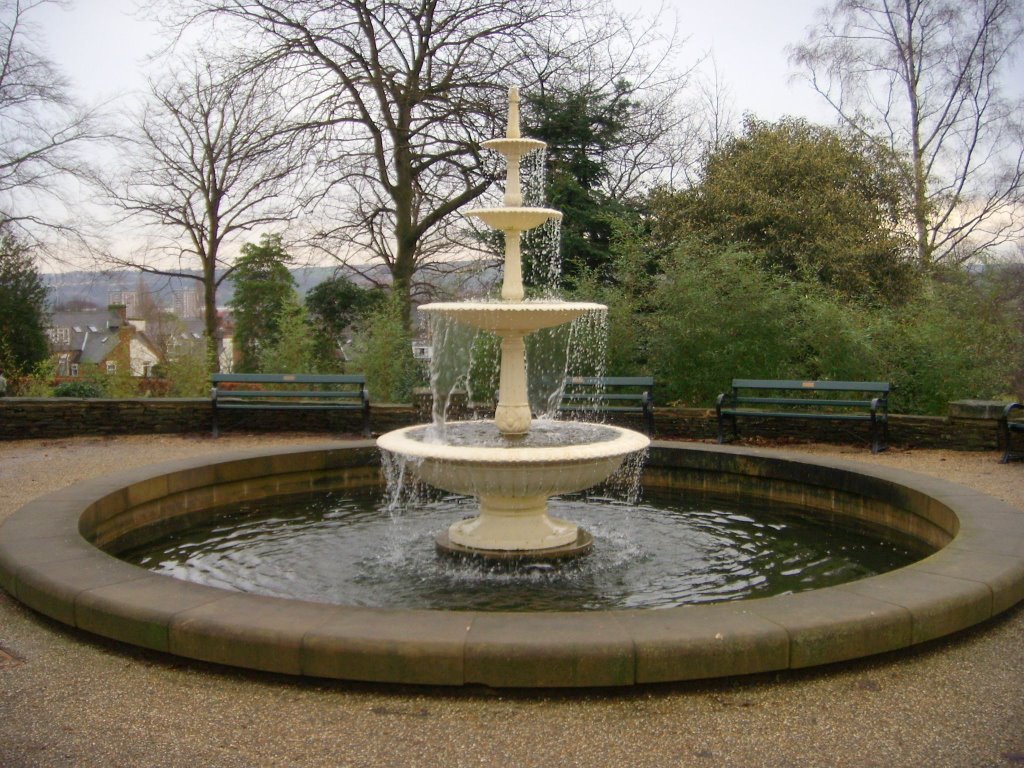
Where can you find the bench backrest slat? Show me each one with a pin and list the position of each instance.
(288, 378)
(610, 381)
(824, 386)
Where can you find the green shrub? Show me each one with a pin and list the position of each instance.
(37, 383)
(79, 389)
(294, 348)
(382, 351)
(713, 315)
(187, 371)
(952, 341)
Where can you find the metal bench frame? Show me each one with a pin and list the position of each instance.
(610, 394)
(873, 409)
(345, 392)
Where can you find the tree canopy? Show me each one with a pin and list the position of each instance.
(211, 158)
(582, 129)
(42, 131)
(334, 305)
(810, 201)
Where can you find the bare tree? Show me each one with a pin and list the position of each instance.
(402, 91)
(211, 158)
(925, 76)
(42, 130)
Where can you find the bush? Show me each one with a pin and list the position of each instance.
(37, 383)
(714, 315)
(952, 341)
(79, 389)
(382, 351)
(187, 372)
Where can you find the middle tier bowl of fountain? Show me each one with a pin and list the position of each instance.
(513, 479)
(512, 316)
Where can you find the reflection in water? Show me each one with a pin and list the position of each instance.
(659, 553)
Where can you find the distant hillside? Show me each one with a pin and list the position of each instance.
(95, 287)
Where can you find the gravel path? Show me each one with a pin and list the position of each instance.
(69, 699)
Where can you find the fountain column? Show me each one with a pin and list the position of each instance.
(512, 415)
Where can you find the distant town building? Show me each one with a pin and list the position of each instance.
(127, 299)
(421, 350)
(187, 305)
(100, 338)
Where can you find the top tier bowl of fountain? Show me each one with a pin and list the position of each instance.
(512, 465)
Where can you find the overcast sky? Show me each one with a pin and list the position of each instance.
(102, 47)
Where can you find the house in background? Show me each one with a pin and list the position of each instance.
(81, 340)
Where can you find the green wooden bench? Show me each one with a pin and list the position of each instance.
(610, 394)
(783, 399)
(1007, 428)
(290, 391)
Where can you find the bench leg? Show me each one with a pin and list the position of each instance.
(879, 442)
(721, 428)
(1008, 452)
(216, 425)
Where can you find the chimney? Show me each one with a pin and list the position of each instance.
(118, 316)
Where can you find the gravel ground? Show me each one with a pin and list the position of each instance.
(68, 699)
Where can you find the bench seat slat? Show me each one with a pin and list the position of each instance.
(285, 406)
(801, 415)
(812, 386)
(266, 393)
(800, 401)
(603, 396)
(288, 378)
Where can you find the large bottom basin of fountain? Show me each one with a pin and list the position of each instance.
(513, 479)
(51, 560)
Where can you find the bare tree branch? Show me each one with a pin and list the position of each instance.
(42, 132)
(213, 155)
(927, 75)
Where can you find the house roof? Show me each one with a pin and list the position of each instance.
(97, 347)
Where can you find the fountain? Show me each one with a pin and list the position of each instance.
(512, 475)
(58, 553)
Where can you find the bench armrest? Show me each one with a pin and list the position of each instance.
(723, 399)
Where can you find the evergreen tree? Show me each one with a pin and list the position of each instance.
(294, 348)
(333, 307)
(23, 317)
(581, 129)
(263, 287)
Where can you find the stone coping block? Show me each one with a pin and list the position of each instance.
(48, 561)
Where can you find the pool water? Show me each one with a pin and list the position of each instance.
(664, 551)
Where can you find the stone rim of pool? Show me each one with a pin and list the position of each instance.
(49, 560)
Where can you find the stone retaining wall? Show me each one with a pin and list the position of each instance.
(67, 417)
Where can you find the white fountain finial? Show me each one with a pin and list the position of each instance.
(512, 131)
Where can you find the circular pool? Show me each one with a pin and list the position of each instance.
(52, 559)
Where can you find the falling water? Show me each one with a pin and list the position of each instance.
(533, 176)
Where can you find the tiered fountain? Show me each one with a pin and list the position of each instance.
(510, 464)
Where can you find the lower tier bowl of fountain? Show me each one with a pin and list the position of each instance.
(513, 478)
